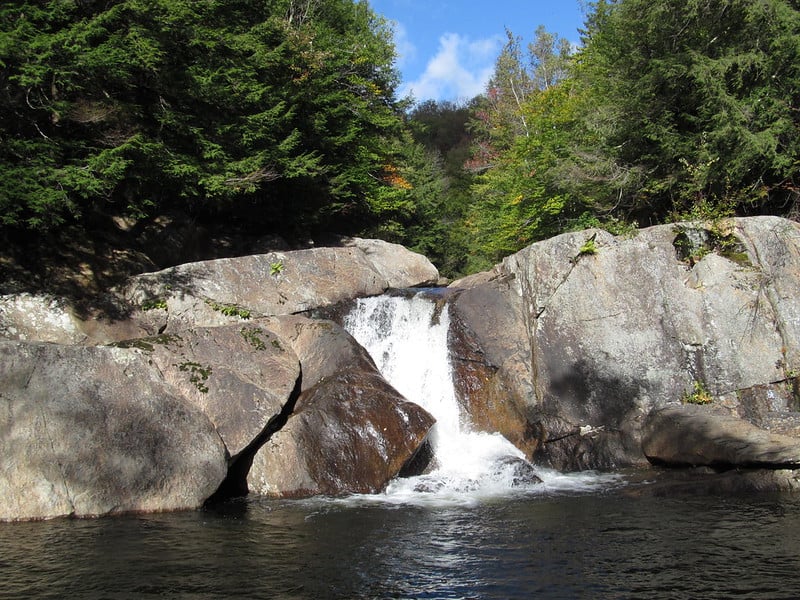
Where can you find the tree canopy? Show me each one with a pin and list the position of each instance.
(699, 99)
(280, 110)
(282, 116)
(669, 108)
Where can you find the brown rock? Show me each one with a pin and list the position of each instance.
(352, 433)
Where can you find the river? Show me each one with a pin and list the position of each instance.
(599, 544)
(476, 527)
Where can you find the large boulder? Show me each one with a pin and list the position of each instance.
(349, 431)
(323, 347)
(96, 430)
(222, 291)
(239, 376)
(692, 435)
(586, 333)
(397, 264)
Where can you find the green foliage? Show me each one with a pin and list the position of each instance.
(148, 344)
(611, 224)
(696, 101)
(276, 268)
(278, 110)
(519, 196)
(198, 374)
(253, 337)
(589, 247)
(694, 241)
(698, 395)
(671, 110)
(154, 304)
(281, 116)
(442, 184)
(229, 310)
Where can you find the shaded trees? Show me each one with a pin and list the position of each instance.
(442, 128)
(699, 99)
(280, 111)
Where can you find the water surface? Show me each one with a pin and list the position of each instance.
(595, 545)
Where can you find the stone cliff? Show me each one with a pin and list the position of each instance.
(580, 338)
(677, 346)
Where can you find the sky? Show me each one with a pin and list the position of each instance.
(447, 48)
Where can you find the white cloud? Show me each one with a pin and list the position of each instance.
(459, 70)
(406, 50)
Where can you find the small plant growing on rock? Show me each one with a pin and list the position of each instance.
(154, 304)
(276, 268)
(694, 242)
(229, 310)
(198, 374)
(698, 395)
(253, 337)
(589, 248)
(148, 344)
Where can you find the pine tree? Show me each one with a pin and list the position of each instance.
(697, 102)
(280, 111)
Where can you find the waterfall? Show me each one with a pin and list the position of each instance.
(407, 339)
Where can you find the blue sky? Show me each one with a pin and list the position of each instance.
(448, 48)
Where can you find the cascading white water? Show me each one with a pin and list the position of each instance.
(407, 339)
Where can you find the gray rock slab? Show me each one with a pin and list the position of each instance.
(88, 431)
(690, 435)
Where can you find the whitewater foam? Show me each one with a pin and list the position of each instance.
(407, 338)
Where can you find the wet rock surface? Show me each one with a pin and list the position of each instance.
(350, 433)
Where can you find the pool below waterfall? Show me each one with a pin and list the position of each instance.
(481, 524)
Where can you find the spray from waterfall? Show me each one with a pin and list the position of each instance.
(407, 338)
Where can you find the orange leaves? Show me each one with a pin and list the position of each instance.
(392, 176)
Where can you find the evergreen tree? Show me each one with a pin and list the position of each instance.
(697, 101)
(281, 110)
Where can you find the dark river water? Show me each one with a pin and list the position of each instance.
(603, 543)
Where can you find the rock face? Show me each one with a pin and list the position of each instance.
(240, 376)
(689, 435)
(166, 422)
(395, 263)
(93, 431)
(39, 317)
(586, 333)
(205, 366)
(581, 350)
(220, 291)
(349, 432)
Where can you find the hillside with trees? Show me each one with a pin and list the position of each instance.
(282, 118)
(280, 113)
(668, 110)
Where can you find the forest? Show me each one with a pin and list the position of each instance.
(282, 117)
